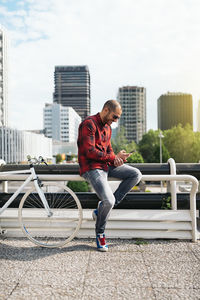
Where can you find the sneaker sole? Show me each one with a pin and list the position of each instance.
(102, 249)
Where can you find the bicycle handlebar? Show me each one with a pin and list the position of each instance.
(34, 160)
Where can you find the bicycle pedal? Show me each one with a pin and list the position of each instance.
(3, 231)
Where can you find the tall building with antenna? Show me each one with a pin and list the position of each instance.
(3, 78)
(72, 88)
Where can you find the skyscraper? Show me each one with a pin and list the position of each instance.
(174, 109)
(3, 79)
(72, 88)
(133, 118)
(61, 123)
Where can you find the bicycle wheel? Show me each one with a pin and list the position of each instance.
(50, 231)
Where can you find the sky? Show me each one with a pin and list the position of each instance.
(149, 43)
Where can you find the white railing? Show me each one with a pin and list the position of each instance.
(171, 178)
(172, 165)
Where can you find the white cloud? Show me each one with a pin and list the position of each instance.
(151, 43)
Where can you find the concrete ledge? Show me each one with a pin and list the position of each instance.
(148, 224)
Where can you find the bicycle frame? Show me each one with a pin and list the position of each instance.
(31, 177)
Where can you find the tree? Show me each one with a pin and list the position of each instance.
(135, 158)
(119, 142)
(183, 144)
(130, 147)
(165, 153)
(149, 147)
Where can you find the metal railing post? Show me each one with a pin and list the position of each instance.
(5, 186)
(172, 165)
(4, 183)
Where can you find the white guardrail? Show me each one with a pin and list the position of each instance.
(172, 178)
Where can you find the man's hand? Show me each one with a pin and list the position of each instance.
(120, 158)
(123, 155)
(118, 161)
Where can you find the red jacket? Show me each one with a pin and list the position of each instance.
(94, 146)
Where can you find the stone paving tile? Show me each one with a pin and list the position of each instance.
(195, 247)
(127, 292)
(169, 256)
(137, 277)
(182, 275)
(132, 269)
(177, 294)
(122, 262)
(22, 242)
(107, 291)
(13, 264)
(6, 289)
(118, 245)
(30, 292)
(9, 275)
(165, 245)
(54, 278)
(64, 261)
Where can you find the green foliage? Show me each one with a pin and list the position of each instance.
(78, 186)
(119, 142)
(58, 158)
(165, 153)
(183, 144)
(70, 157)
(166, 203)
(130, 147)
(135, 158)
(149, 147)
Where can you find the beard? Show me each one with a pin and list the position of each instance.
(107, 119)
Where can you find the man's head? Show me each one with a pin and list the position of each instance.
(111, 112)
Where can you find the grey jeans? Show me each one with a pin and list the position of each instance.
(98, 179)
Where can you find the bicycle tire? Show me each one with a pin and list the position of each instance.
(58, 229)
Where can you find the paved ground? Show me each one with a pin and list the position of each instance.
(132, 269)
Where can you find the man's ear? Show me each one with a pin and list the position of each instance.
(106, 110)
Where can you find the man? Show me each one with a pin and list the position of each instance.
(97, 161)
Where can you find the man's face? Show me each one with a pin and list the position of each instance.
(111, 116)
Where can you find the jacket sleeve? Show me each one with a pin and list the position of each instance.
(110, 149)
(87, 141)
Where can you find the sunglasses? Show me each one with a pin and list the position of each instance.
(115, 117)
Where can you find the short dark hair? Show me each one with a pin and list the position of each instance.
(112, 105)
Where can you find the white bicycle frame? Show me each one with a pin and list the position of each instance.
(33, 177)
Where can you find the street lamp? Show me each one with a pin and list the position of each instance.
(161, 136)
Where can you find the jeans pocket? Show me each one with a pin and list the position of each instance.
(93, 176)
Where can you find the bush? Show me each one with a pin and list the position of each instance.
(135, 158)
(58, 158)
(78, 186)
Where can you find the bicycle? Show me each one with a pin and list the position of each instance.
(49, 214)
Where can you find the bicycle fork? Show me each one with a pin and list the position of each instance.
(43, 199)
(41, 193)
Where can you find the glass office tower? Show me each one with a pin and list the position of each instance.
(72, 88)
(174, 109)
